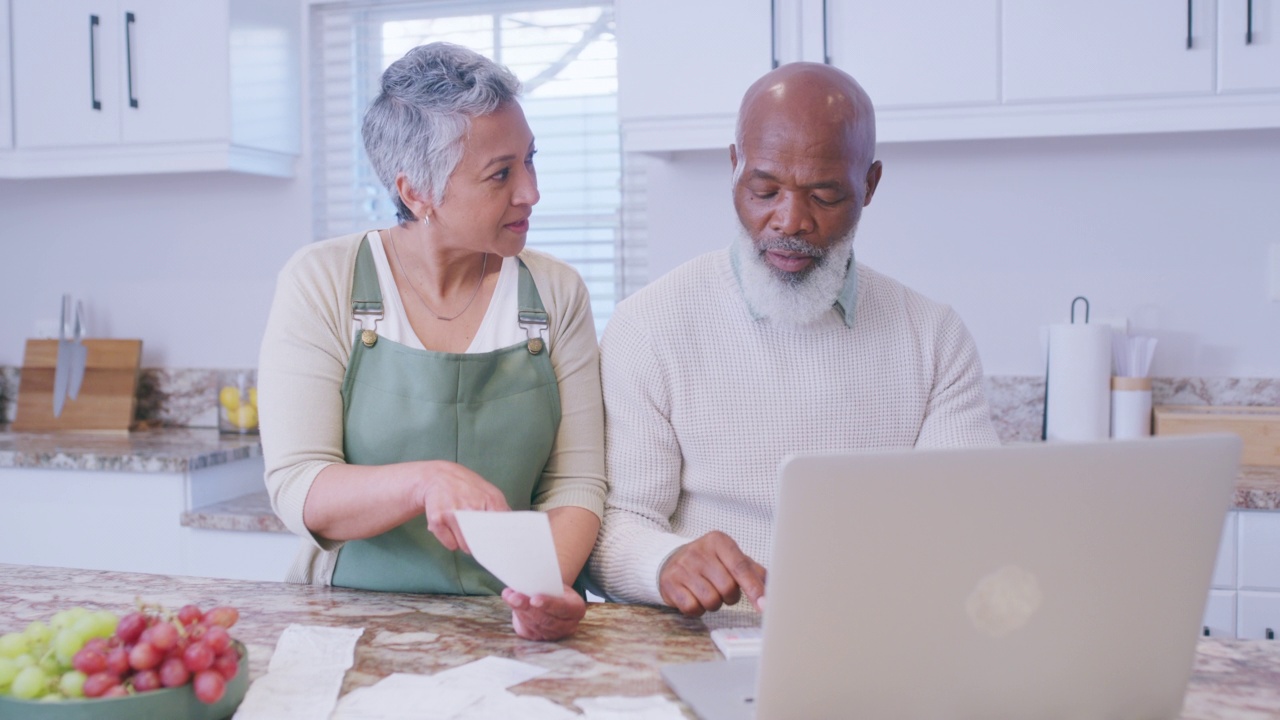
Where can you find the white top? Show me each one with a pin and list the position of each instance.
(500, 327)
(702, 401)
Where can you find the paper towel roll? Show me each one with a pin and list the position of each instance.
(1078, 392)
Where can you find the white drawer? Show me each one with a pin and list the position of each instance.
(1220, 614)
(1259, 614)
(1224, 571)
(1259, 550)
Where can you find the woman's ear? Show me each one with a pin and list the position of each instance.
(417, 202)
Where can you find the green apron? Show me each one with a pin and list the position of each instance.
(495, 413)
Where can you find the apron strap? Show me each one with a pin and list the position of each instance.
(366, 295)
(532, 314)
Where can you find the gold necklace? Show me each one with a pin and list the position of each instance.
(483, 265)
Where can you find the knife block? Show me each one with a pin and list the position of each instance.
(108, 395)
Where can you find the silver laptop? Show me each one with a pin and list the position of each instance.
(1036, 581)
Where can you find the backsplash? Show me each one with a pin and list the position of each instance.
(1017, 401)
(189, 398)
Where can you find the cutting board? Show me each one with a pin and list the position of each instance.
(107, 397)
(1259, 427)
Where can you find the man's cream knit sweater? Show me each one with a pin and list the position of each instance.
(702, 401)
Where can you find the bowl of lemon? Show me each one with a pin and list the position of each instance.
(238, 402)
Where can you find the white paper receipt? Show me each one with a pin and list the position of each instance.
(516, 547)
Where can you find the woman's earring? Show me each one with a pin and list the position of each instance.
(425, 219)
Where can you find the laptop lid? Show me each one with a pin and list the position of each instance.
(1055, 580)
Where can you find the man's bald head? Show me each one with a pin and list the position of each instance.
(817, 102)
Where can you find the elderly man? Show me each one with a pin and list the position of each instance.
(780, 343)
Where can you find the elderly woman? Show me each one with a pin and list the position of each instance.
(437, 365)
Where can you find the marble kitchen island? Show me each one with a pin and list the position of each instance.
(618, 650)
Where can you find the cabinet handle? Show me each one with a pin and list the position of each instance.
(1248, 28)
(826, 55)
(1206, 631)
(773, 32)
(129, 20)
(1271, 634)
(1189, 24)
(93, 69)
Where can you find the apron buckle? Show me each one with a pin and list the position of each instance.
(534, 323)
(368, 326)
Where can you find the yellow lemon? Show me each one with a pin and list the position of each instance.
(253, 396)
(248, 417)
(230, 398)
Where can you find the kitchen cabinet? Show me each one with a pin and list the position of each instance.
(903, 55)
(1248, 45)
(1220, 614)
(112, 87)
(956, 69)
(1100, 49)
(682, 68)
(1259, 614)
(6, 91)
(131, 522)
(1260, 551)
(1245, 599)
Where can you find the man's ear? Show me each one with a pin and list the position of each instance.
(733, 158)
(417, 202)
(873, 180)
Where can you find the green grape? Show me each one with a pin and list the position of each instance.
(104, 624)
(64, 618)
(50, 665)
(67, 643)
(72, 684)
(13, 645)
(30, 683)
(24, 660)
(53, 697)
(38, 633)
(8, 671)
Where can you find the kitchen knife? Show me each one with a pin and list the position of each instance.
(62, 371)
(79, 353)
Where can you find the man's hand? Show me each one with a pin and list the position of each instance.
(544, 617)
(708, 573)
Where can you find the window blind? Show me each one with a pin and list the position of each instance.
(565, 54)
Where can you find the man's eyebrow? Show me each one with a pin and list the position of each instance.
(758, 174)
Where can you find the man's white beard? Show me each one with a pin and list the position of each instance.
(793, 298)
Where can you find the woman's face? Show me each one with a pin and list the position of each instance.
(491, 193)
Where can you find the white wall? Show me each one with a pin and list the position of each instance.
(1169, 231)
(187, 262)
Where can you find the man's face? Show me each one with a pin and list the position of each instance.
(799, 187)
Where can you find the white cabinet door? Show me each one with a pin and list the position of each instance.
(690, 59)
(178, 54)
(943, 52)
(1248, 45)
(1260, 550)
(1101, 49)
(1220, 614)
(6, 89)
(66, 72)
(1224, 570)
(1259, 615)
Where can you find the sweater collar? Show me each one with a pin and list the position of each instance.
(846, 303)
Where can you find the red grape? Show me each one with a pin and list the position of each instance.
(173, 673)
(163, 635)
(118, 661)
(115, 691)
(188, 614)
(144, 656)
(217, 639)
(98, 683)
(99, 645)
(228, 664)
(146, 680)
(221, 615)
(89, 662)
(199, 656)
(209, 686)
(131, 627)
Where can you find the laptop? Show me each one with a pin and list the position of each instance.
(1034, 581)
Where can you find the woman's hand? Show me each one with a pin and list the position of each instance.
(447, 487)
(544, 617)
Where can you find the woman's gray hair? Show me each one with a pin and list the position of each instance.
(417, 123)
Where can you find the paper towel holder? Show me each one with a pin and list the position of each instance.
(1086, 309)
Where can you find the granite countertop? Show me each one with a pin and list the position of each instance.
(618, 649)
(1257, 489)
(161, 450)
